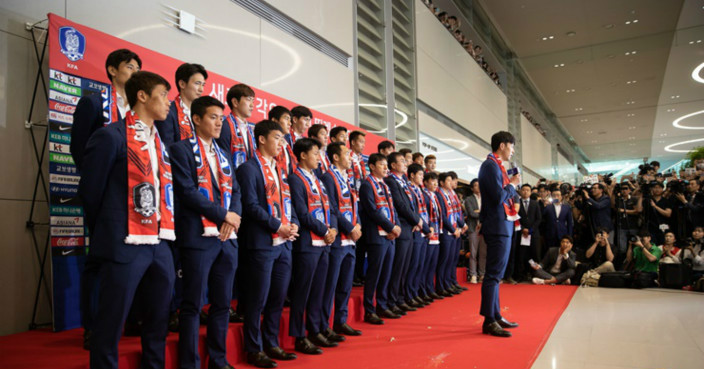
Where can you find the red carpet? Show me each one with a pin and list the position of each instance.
(446, 334)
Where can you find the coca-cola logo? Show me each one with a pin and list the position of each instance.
(67, 241)
(68, 109)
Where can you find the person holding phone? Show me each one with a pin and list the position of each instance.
(600, 255)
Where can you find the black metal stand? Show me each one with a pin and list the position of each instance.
(39, 230)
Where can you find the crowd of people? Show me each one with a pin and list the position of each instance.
(452, 23)
(632, 227)
(189, 206)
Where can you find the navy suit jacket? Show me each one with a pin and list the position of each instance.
(444, 213)
(257, 223)
(308, 222)
(87, 119)
(225, 139)
(344, 226)
(168, 128)
(103, 191)
(494, 195)
(372, 217)
(405, 209)
(556, 227)
(191, 204)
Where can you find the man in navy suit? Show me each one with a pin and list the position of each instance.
(448, 238)
(420, 239)
(498, 218)
(128, 206)
(558, 220)
(88, 117)
(190, 82)
(410, 223)
(282, 116)
(301, 117)
(269, 224)
(343, 201)
(311, 251)
(380, 227)
(207, 217)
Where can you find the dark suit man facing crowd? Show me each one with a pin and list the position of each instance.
(343, 201)
(380, 227)
(530, 227)
(271, 225)
(558, 220)
(499, 220)
(128, 200)
(207, 217)
(88, 118)
(410, 222)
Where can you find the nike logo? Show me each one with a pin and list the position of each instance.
(64, 200)
(64, 128)
(64, 253)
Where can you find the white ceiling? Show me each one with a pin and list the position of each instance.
(594, 95)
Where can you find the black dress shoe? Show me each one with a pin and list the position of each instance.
(357, 283)
(279, 354)
(320, 340)
(388, 314)
(234, 317)
(463, 288)
(260, 360)
(372, 318)
(405, 307)
(435, 296)
(173, 322)
(494, 329)
(421, 301)
(415, 304)
(428, 300)
(445, 293)
(305, 346)
(454, 291)
(226, 366)
(398, 311)
(86, 339)
(332, 336)
(506, 324)
(346, 330)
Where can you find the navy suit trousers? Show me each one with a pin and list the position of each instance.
(381, 259)
(310, 270)
(399, 274)
(210, 270)
(150, 279)
(430, 268)
(268, 273)
(497, 252)
(447, 247)
(338, 285)
(415, 270)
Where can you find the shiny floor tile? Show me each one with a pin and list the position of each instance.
(619, 329)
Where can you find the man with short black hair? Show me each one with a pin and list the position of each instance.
(660, 211)
(343, 202)
(300, 123)
(237, 135)
(338, 134)
(380, 227)
(531, 218)
(558, 265)
(285, 159)
(129, 211)
(357, 174)
(451, 233)
(430, 163)
(207, 219)
(430, 186)
(190, 82)
(477, 246)
(407, 155)
(599, 206)
(420, 239)
(319, 133)
(311, 251)
(410, 222)
(499, 220)
(458, 242)
(418, 159)
(270, 225)
(386, 147)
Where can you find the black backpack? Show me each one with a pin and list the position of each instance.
(675, 276)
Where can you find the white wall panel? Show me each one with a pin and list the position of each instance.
(333, 20)
(535, 149)
(307, 76)
(565, 170)
(436, 129)
(451, 81)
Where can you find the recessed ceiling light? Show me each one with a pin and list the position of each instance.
(632, 128)
(631, 82)
(631, 52)
(663, 134)
(584, 120)
(631, 115)
(661, 141)
(631, 138)
(670, 110)
(590, 132)
(695, 42)
(570, 90)
(630, 102)
(545, 38)
(578, 109)
(559, 65)
(628, 22)
(675, 97)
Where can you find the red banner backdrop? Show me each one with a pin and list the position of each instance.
(77, 68)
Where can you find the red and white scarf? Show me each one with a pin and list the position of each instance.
(143, 227)
(449, 205)
(324, 162)
(318, 203)
(238, 148)
(110, 112)
(422, 209)
(346, 201)
(405, 185)
(357, 171)
(185, 127)
(278, 194)
(205, 182)
(435, 218)
(286, 159)
(383, 201)
(511, 213)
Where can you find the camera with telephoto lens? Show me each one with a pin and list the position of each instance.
(677, 186)
(643, 169)
(633, 239)
(607, 179)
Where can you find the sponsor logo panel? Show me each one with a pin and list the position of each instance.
(59, 199)
(63, 169)
(59, 147)
(60, 117)
(67, 231)
(61, 107)
(66, 221)
(64, 77)
(63, 98)
(60, 137)
(66, 251)
(62, 189)
(66, 210)
(65, 88)
(61, 158)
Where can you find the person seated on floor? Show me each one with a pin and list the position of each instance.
(645, 256)
(599, 255)
(694, 253)
(669, 250)
(558, 264)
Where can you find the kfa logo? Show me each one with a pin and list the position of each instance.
(73, 43)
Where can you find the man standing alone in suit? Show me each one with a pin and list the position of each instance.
(499, 220)
(558, 219)
(477, 246)
(530, 222)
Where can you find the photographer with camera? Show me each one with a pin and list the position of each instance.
(658, 213)
(693, 253)
(691, 204)
(646, 257)
(599, 207)
(627, 209)
(600, 255)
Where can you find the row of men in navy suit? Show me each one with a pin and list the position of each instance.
(221, 174)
